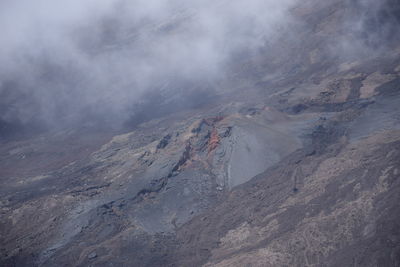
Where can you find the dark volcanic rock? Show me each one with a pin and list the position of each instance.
(297, 164)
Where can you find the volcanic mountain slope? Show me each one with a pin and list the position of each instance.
(298, 164)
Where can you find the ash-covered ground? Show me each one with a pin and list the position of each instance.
(290, 156)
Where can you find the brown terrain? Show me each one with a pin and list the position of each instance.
(298, 164)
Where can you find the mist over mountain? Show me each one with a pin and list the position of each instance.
(199, 133)
(70, 63)
(65, 61)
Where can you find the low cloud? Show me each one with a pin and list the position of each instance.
(65, 62)
(69, 62)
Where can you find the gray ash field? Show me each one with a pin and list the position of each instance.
(290, 157)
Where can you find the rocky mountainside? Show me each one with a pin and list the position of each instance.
(293, 160)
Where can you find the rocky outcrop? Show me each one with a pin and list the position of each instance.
(296, 165)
